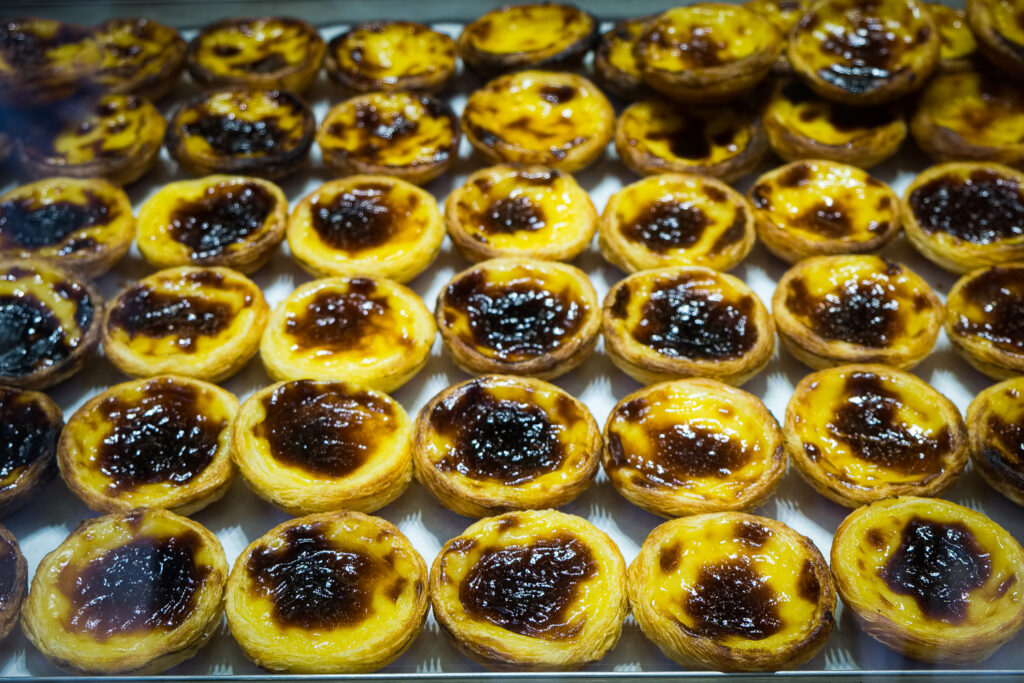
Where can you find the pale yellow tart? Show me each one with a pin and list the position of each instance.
(676, 219)
(997, 27)
(86, 225)
(615, 63)
(327, 593)
(198, 322)
(31, 424)
(732, 592)
(513, 210)
(43, 61)
(959, 46)
(129, 593)
(309, 446)
(557, 119)
(391, 55)
(818, 207)
(693, 445)
(994, 425)
(140, 56)
(372, 332)
(499, 443)
(930, 579)
(860, 433)
(161, 442)
(530, 590)
(369, 225)
(983, 319)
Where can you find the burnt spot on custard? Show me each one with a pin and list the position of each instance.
(983, 208)
(357, 219)
(508, 215)
(379, 130)
(148, 584)
(324, 428)
(842, 118)
(999, 294)
(160, 436)
(528, 589)
(664, 225)
(939, 565)
(28, 434)
(808, 586)
(693, 138)
(233, 136)
(860, 311)
(752, 534)
(669, 556)
(225, 215)
(829, 219)
(26, 223)
(732, 598)
(866, 52)
(1003, 448)
(24, 48)
(341, 321)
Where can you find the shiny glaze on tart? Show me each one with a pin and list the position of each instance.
(994, 420)
(30, 424)
(391, 55)
(984, 312)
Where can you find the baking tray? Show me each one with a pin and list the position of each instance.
(241, 516)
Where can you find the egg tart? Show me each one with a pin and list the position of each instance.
(85, 225)
(958, 46)
(530, 590)
(819, 207)
(140, 56)
(676, 219)
(783, 14)
(369, 225)
(43, 61)
(13, 582)
(860, 433)
(930, 579)
(656, 136)
(971, 115)
(405, 134)
(519, 317)
(129, 593)
(369, 331)
(832, 310)
(162, 442)
(382, 56)
(688, 321)
(48, 323)
(117, 137)
(499, 443)
(537, 35)
(256, 52)
(865, 52)
(984, 314)
(328, 593)
(1000, 35)
(250, 132)
(995, 428)
(557, 119)
(219, 220)
(197, 322)
(801, 125)
(691, 446)
(309, 446)
(732, 592)
(30, 424)
(966, 215)
(513, 210)
(615, 63)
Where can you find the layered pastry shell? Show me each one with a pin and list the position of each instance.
(30, 424)
(140, 56)
(994, 420)
(983, 319)
(381, 56)
(14, 582)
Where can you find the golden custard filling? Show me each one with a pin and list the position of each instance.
(242, 124)
(798, 109)
(33, 45)
(244, 47)
(988, 308)
(704, 36)
(136, 51)
(540, 30)
(979, 106)
(957, 39)
(389, 52)
(118, 126)
(618, 46)
(697, 137)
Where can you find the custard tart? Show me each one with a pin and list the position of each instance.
(13, 582)
(272, 53)
(309, 446)
(966, 215)
(409, 135)
(219, 220)
(129, 593)
(656, 136)
(557, 119)
(498, 443)
(538, 35)
(615, 64)
(369, 331)
(832, 310)
(162, 442)
(519, 317)
(43, 61)
(48, 323)
(995, 429)
(732, 592)
(975, 114)
(820, 208)
(140, 56)
(30, 424)
(860, 433)
(688, 321)
(707, 52)
(530, 590)
(676, 219)
(958, 47)
(117, 137)
(197, 322)
(84, 225)
(691, 446)
(985, 319)
(251, 132)
(366, 225)
(997, 28)
(930, 579)
(382, 56)
(328, 593)
(801, 125)
(526, 211)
